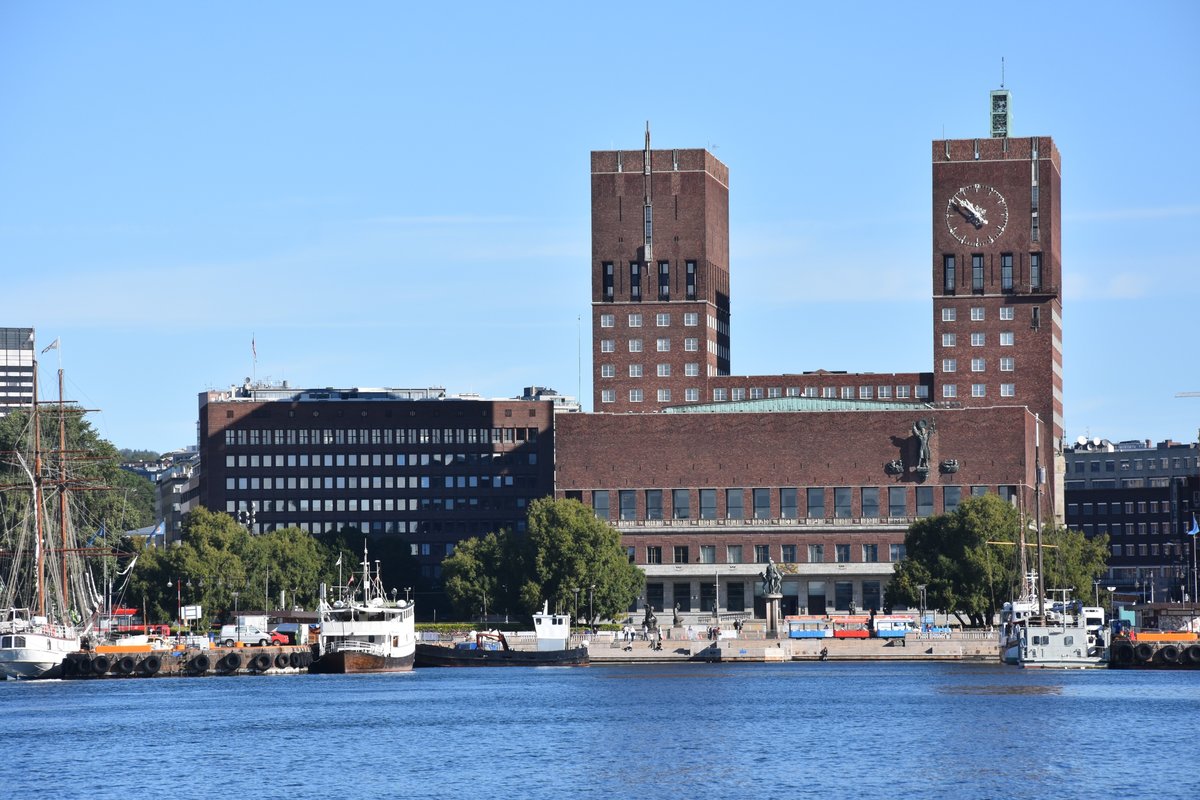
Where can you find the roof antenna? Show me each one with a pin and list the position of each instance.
(1001, 72)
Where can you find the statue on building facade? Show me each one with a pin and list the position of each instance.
(772, 580)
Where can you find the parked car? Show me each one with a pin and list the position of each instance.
(231, 635)
(279, 637)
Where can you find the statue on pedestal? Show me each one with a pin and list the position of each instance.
(772, 580)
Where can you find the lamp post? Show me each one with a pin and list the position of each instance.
(1112, 599)
(1096, 586)
(575, 589)
(237, 620)
(407, 589)
(921, 589)
(591, 611)
(178, 600)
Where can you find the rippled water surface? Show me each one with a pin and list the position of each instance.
(751, 730)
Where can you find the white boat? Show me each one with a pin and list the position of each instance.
(363, 631)
(1073, 639)
(39, 605)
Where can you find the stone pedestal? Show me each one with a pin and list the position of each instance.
(774, 619)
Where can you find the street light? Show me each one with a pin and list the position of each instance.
(921, 589)
(1112, 600)
(407, 589)
(178, 600)
(237, 620)
(1096, 585)
(591, 612)
(575, 589)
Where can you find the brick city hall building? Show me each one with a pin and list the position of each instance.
(707, 474)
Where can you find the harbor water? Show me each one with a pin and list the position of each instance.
(651, 731)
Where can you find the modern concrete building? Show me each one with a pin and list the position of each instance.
(16, 368)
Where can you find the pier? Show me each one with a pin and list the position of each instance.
(186, 662)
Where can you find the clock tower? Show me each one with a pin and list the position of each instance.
(997, 274)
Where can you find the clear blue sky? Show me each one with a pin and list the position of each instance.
(385, 194)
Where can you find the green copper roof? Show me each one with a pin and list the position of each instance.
(793, 405)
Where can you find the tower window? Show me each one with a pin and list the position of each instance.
(691, 280)
(1006, 272)
(635, 280)
(664, 280)
(948, 278)
(608, 280)
(1035, 271)
(977, 274)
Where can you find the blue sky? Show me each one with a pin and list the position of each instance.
(384, 194)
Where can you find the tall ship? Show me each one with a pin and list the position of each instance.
(552, 633)
(47, 602)
(362, 630)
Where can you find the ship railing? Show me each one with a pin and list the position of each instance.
(356, 646)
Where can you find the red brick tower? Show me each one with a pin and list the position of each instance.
(997, 273)
(660, 276)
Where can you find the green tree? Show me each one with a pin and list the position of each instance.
(566, 548)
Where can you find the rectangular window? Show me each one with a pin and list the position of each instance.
(691, 395)
(635, 320)
(708, 555)
(608, 280)
(787, 553)
(690, 269)
(978, 339)
(691, 344)
(1006, 339)
(691, 370)
(607, 345)
(1035, 271)
(949, 364)
(865, 392)
(949, 391)
(870, 553)
(762, 552)
(951, 497)
(949, 339)
(733, 504)
(977, 314)
(662, 320)
(635, 370)
(664, 280)
(978, 365)
(733, 554)
(664, 395)
(635, 280)
(628, 501)
(654, 554)
(607, 320)
(924, 501)
(977, 274)
(600, 504)
(1006, 272)
(897, 502)
(608, 395)
(949, 315)
(841, 502)
(635, 395)
(708, 504)
(680, 504)
(870, 502)
(978, 390)
(608, 371)
(1006, 364)
(654, 509)
(841, 553)
(635, 345)
(664, 345)
(762, 503)
(680, 553)
(896, 552)
(691, 319)
(816, 553)
(948, 276)
(787, 503)
(816, 503)
(1007, 313)
(664, 370)
(1008, 390)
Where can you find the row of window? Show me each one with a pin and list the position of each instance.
(788, 553)
(1168, 549)
(690, 370)
(384, 482)
(950, 390)
(950, 272)
(1110, 465)
(380, 504)
(978, 364)
(638, 396)
(691, 344)
(1132, 528)
(304, 460)
(812, 596)
(782, 503)
(977, 313)
(636, 271)
(978, 339)
(737, 393)
(661, 320)
(1128, 507)
(352, 436)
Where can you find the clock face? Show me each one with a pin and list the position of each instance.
(976, 215)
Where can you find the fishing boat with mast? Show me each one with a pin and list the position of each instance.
(45, 605)
(362, 630)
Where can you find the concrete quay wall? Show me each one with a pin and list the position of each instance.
(912, 648)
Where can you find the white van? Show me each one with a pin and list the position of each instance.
(246, 634)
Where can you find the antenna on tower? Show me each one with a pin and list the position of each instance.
(1001, 72)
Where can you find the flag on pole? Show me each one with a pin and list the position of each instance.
(52, 346)
(338, 563)
(1195, 528)
(253, 347)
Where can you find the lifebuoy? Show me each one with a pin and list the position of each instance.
(1144, 651)
(1192, 654)
(294, 659)
(100, 665)
(1170, 654)
(199, 664)
(281, 661)
(126, 664)
(150, 665)
(231, 661)
(1122, 652)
